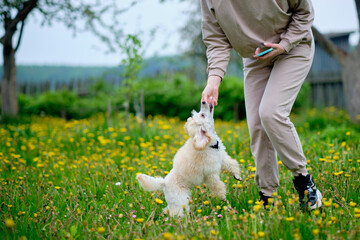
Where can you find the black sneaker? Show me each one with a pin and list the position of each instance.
(305, 186)
(265, 200)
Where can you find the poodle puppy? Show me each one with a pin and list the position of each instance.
(200, 160)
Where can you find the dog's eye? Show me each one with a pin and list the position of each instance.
(203, 115)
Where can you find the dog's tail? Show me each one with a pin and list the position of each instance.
(150, 183)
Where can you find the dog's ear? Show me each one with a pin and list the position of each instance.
(201, 140)
(186, 128)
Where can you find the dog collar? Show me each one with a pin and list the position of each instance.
(216, 146)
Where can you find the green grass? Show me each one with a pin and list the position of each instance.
(58, 181)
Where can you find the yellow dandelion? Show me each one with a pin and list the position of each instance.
(289, 219)
(101, 230)
(261, 234)
(352, 204)
(206, 203)
(327, 203)
(257, 208)
(316, 231)
(57, 187)
(159, 201)
(168, 236)
(316, 212)
(9, 223)
(140, 220)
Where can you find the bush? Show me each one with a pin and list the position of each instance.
(49, 103)
(303, 99)
(178, 96)
(231, 99)
(173, 97)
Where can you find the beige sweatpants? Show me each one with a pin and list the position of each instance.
(271, 87)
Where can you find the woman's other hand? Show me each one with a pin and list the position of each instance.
(278, 49)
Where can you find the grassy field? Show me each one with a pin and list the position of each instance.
(76, 180)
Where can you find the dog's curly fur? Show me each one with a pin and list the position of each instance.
(199, 161)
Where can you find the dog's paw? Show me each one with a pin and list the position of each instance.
(223, 197)
(237, 177)
(174, 212)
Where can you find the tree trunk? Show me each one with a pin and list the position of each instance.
(109, 113)
(9, 105)
(351, 83)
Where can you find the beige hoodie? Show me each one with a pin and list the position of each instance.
(247, 24)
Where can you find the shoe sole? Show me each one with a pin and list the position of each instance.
(319, 200)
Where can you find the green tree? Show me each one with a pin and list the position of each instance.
(80, 15)
(133, 63)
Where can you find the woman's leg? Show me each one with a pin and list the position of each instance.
(256, 75)
(287, 76)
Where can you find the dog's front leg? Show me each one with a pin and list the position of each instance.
(232, 166)
(216, 186)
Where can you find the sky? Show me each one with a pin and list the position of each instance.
(57, 45)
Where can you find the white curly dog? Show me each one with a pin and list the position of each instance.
(199, 161)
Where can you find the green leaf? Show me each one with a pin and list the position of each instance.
(73, 230)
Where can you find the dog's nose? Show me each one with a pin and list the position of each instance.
(203, 102)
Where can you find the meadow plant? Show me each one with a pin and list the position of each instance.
(76, 180)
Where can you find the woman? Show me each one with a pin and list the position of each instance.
(271, 82)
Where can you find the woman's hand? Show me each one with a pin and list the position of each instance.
(278, 49)
(211, 91)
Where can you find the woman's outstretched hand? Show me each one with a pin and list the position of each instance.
(211, 91)
(278, 49)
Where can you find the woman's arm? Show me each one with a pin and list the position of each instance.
(299, 25)
(218, 46)
(218, 52)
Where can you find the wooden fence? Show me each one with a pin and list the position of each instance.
(81, 87)
(325, 74)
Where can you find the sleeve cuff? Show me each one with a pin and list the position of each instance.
(216, 72)
(286, 45)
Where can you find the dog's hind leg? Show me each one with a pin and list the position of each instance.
(177, 199)
(216, 186)
(232, 166)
